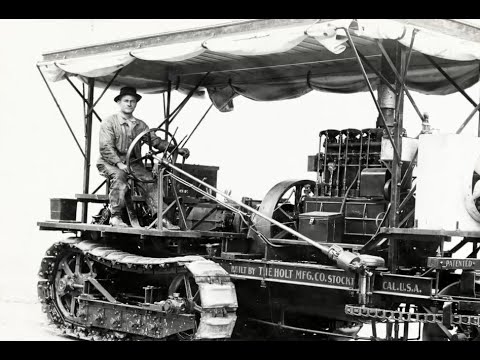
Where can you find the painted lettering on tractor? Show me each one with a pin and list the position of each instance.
(401, 287)
(298, 275)
(461, 263)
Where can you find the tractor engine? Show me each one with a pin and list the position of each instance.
(352, 180)
(349, 202)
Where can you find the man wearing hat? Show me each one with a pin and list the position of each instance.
(116, 134)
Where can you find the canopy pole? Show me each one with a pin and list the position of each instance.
(88, 147)
(103, 92)
(80, 94)
(203, 117)
(169, 99)
(382, 118)
(467, 120)
(61, 112)
(379, 74)
(184, 101)
(448, 77)
(395, 72)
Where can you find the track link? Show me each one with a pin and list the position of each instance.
(216, 313)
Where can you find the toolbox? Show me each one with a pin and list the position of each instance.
(63, 209)
(322, 226)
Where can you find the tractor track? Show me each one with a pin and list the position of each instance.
(215, 318)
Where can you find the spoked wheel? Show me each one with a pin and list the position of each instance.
(184, 286)
(433, 332)
(137, 153)
(72, 272)
(283, 203)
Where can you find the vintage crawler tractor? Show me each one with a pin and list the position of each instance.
(363, 243)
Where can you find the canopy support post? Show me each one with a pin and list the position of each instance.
(61, 112)
(448, 77)
(378, 73)
(88, 147)
(467, 120)
(103, 92)
(80, 94)
(169, 101)
(184, 101)
(395, 72)
(99, 186)
(382, 118)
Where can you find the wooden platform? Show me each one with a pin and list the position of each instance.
(78, 226)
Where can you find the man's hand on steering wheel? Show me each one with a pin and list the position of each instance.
(184, 152)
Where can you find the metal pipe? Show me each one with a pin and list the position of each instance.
(80, 94)
(337, 185)
(88, 149)
(438, 67)
(357, 193)
(368, 147)
(160, 200)
(61, 112)
(344, 188)
(169, 100)
(324, 190)
(103, 92)
(382, 117)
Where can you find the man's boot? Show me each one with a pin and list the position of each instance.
(169, 226)
(117, 221)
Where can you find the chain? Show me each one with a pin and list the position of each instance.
(402, 316)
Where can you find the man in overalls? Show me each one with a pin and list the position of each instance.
(116, 134)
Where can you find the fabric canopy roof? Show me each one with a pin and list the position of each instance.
(275, 59)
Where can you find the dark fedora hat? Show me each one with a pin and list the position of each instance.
(127, 90)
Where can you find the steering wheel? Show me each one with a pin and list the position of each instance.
(151, 152)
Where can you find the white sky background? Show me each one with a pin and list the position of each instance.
(255, 146)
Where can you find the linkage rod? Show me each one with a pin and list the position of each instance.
(61, 112)
(382, 117)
